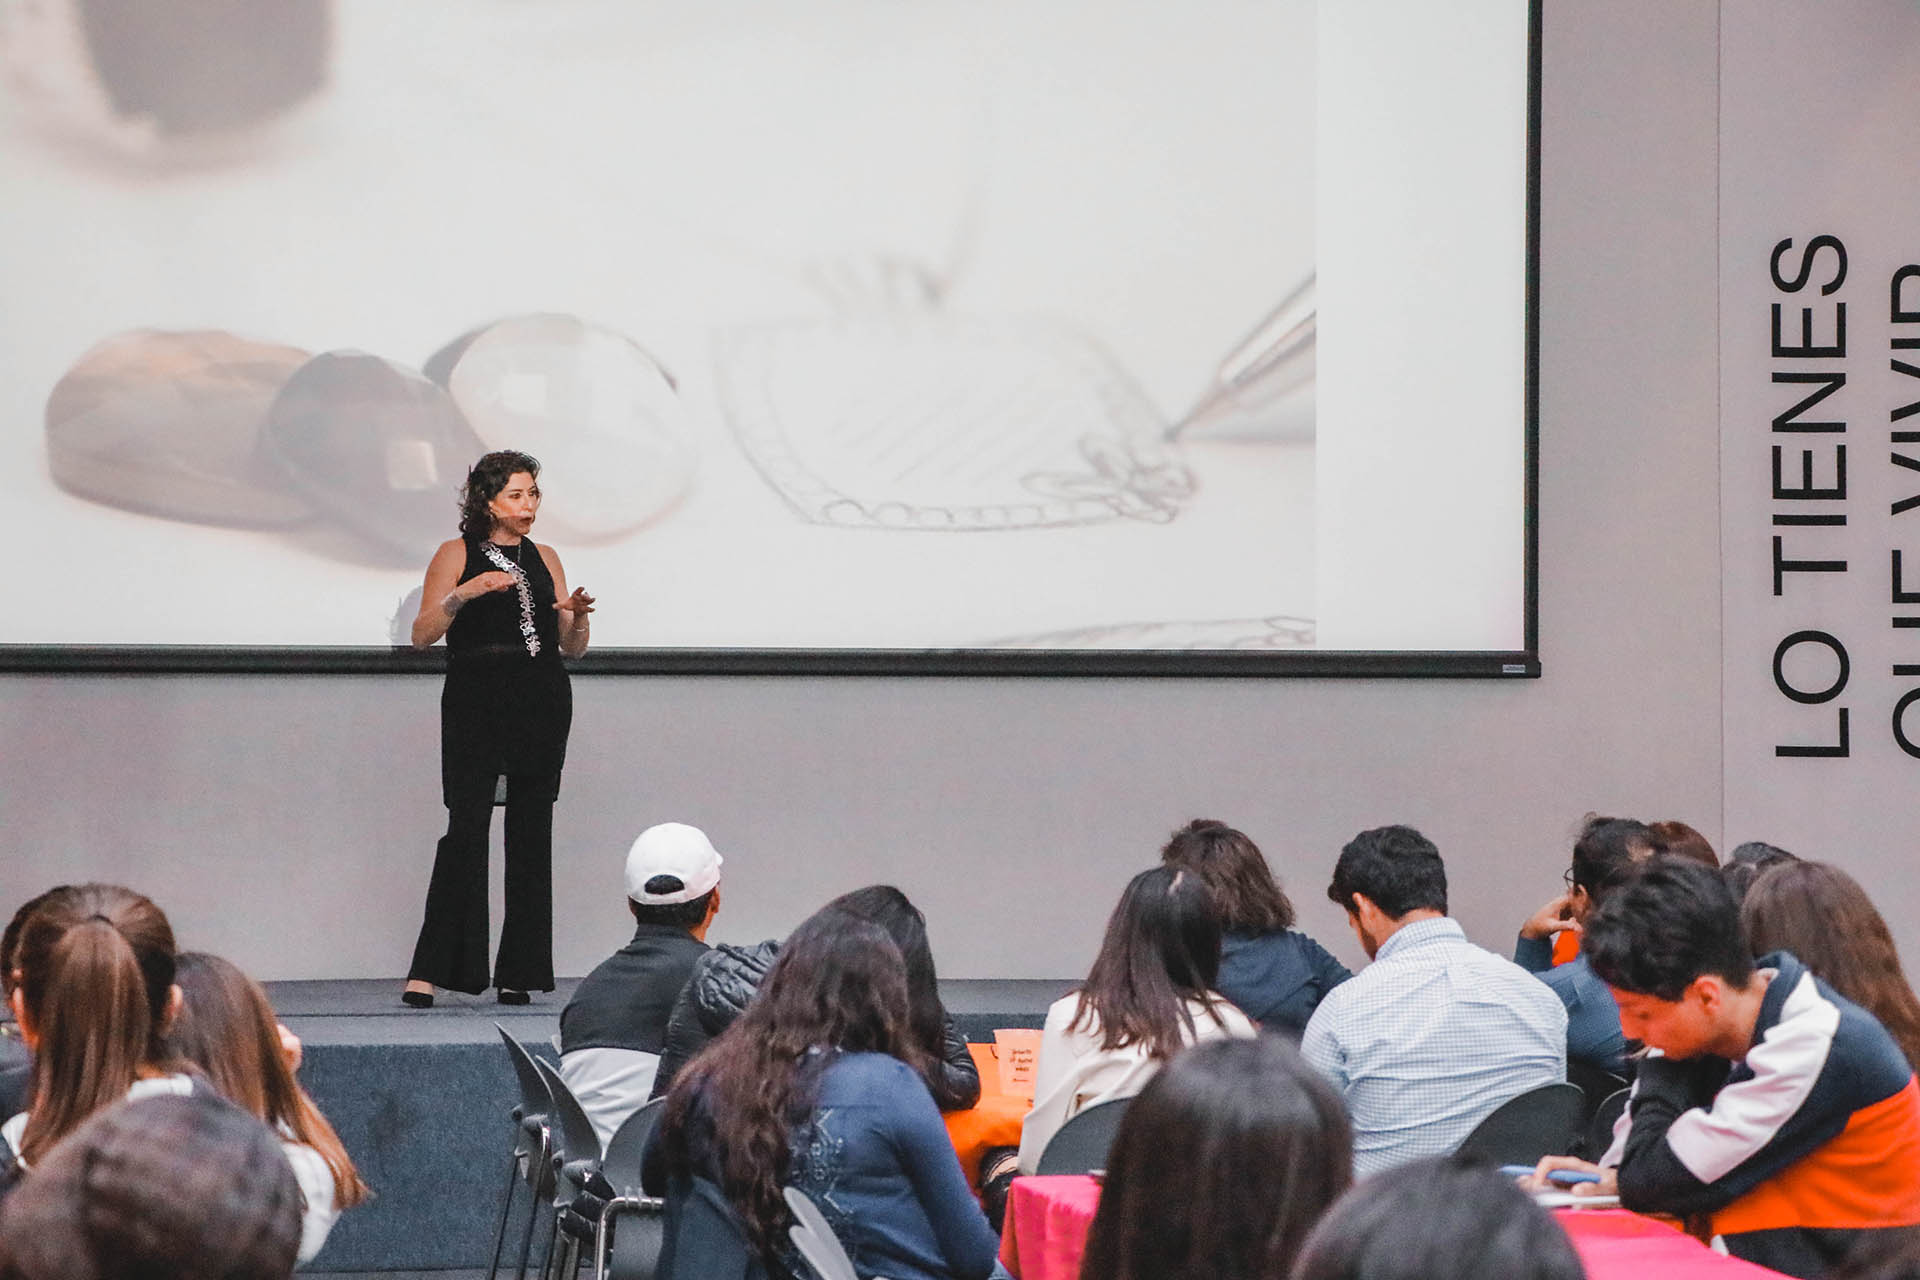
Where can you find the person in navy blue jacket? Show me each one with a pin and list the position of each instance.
(1272, 972)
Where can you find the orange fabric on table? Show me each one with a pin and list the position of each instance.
(994, 1121)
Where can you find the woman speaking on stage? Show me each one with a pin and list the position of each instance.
(502, 602)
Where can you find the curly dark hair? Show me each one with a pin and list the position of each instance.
(840, 985)
(484, 483)
(1244, 890)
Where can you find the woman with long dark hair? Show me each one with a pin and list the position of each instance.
(226, 1028)
(93, 991)
(945, 1064)
(1822, 915)
(501, 601)
(1221, 1167)
(1151, 992)
(812, 1088)
(725, 978)
(1272, 972)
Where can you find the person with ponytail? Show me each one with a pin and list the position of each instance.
(93, 991)
(227, 1030)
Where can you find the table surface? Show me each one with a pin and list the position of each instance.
(1047, 1221)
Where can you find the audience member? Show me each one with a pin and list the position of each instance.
(613, 1029)
(812, 1088)
(717, 993)
(1149, 994)
(1747, 863)
(1766, 1100)
(1427, 1040)
(1679, 840)
(94, 993)
(1438, 1219)
(160, 1188)
(1271, 972)
(226, 1028)
(947, 1066)
(1605, 852)
(725, 979)
(1823, 916)
(1220, 1168)
(16, 1060)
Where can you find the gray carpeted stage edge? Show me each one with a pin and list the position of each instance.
(421, 1098)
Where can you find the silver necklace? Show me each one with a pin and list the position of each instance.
(494, 553)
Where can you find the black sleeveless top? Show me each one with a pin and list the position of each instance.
(507, 704)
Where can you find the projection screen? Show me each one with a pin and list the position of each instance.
(1060, 336)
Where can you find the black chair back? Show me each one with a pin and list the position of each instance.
(704, 1238)
(1599, 1134)
(1540, 1122)
(639, 1233)
(1594, 1081)
(1083, 1142)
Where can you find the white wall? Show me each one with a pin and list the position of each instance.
(289, 822)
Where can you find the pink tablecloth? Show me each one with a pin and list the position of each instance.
(1617, 1245)
(1047, 1221)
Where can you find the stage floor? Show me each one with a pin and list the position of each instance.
(421, 1098)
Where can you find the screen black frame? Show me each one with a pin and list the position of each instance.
(1523, 664)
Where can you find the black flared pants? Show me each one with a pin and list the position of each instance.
(452, 950)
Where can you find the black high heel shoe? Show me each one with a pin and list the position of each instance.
(417, 999)
(507, 995)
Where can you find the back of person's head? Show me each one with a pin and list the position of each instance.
(888, 907)
(1681, 841)
(225, 1026)
(1222, 1165)
(165, 1188)
(1606, 852)
(1822, 915)
(1673, 922)
(1245, 894)
(1396, 868)
(94, 967)
(838, 984)
(1438, 1219)
(10, 939)
(1161, 949)
(672, 873)
(1748, 861)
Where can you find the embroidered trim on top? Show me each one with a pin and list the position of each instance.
(492, 551)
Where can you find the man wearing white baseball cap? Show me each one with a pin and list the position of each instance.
(612, 1030)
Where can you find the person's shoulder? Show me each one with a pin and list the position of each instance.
(1061, 1012)
(450, 549)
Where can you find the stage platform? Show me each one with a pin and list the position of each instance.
(421, 1099)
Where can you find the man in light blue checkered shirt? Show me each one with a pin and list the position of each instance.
(1433, 1035)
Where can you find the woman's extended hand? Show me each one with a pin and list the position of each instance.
(579, 604)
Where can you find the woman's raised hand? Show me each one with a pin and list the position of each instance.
(486, 583)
